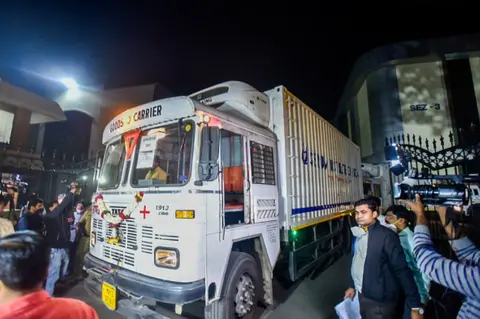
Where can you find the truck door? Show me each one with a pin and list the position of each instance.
(235, 205)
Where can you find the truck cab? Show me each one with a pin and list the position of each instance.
(186, 207)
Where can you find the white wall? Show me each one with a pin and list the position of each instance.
(6, 125)
(475, 69)
(423, 99)
(364, 121)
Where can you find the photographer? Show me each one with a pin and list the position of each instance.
(462, 276)
(58, 237)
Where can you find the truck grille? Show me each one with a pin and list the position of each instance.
(120, 256)
(123, 254)
(128, 234)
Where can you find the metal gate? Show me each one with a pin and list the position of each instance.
(448, 155)
(45, 171)
(455, 154)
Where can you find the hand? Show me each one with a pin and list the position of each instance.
(349, 293)
(70, 220)
(415, 314)
(73, 187)
(416, 206)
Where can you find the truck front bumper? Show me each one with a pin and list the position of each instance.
(140, 286)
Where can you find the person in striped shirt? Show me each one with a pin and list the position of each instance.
(462, 276)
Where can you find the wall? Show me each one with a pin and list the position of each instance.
(103, 105)
(71, 136)
(363, 114)
(6, 126)
(383, 107)
(20, 130)
(424, 100)
(475, 69)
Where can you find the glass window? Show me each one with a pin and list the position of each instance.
(112, 165)
(164, 155)
(6, 125)
(263, 165)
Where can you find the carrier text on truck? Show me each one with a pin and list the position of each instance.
(201, 197)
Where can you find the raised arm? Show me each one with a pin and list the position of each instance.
(62, 208)
(460, 277)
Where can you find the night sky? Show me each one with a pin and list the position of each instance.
(189, 48)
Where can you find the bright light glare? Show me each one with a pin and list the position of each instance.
(69, 83)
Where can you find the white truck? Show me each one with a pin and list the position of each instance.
(201, 197)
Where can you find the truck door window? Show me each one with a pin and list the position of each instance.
(233, 177)
(263, 165)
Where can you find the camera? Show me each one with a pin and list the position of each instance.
(73, 185)
(438, 195)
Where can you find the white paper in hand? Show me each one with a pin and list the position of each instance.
(348, 309)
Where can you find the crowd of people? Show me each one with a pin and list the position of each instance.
(64, 223)
(394, 260)
(393, 266)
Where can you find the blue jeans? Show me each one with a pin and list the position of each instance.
(58, 267)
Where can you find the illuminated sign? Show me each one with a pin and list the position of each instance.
(149, 115)
(139, 115)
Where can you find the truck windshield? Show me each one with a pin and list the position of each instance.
(164, 155)
(112, 165)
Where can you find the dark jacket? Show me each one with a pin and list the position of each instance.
(31, 222)
(386, 276)
(57, 226)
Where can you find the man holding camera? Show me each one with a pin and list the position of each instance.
(463, 275)
(58, 237)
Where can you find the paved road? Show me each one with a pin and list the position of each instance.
(309, 299)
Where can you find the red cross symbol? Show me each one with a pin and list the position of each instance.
(145, 212)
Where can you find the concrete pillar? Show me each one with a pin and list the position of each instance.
(21, 126)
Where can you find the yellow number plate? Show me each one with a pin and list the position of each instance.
(109, 296)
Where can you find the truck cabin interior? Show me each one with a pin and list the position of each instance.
(233, 176)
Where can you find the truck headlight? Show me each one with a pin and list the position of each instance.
(167, 257)
(93, 239)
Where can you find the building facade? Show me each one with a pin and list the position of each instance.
(430, 89)
(50, 134)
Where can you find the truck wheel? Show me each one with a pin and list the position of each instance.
(241, 289)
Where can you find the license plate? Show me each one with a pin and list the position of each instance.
(109, 296)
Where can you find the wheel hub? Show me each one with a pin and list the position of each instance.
(245, 295)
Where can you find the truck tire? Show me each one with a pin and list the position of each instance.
(241, 288)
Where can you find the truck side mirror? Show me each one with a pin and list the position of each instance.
(208, 167)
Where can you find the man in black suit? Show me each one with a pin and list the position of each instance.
(380, 274)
